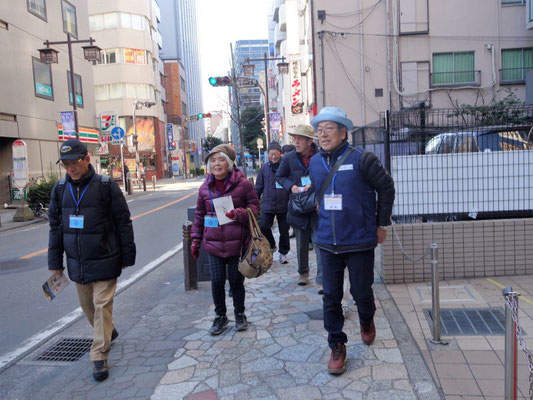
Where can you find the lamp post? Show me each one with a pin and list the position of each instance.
(137, 105)
(283, 68)
(90, 53)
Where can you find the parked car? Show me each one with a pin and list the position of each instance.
(493, 139)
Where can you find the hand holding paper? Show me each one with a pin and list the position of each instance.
(223, 205)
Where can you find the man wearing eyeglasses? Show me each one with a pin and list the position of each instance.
(90, 222)
(356, 195)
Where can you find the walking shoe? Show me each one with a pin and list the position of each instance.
(241, 323)
(100, 370)
(219, 324)
(337, 360)
(273, 249)
(114, 334)
(319, 289)
(283, 259)
(292, 234)
(368, 332)
(304, 279)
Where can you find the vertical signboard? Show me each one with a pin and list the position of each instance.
(296, 88)
(68, 123)
(20, 165)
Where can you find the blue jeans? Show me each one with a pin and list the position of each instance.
(361, 272)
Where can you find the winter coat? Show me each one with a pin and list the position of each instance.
(230, 239)
(105, 244)
(290, 173)
(358, 180)
(275, 199)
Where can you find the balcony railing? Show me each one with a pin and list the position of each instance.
(454, 79)
(513, 76)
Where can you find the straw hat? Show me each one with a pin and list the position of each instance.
(304, 130)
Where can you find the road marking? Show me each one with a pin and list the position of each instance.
(11, 231)
(129, 201)
(503, 287)
(42, 251)
(36, 340)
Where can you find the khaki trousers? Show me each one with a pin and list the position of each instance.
(96, 301)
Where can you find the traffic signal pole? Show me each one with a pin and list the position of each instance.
(267, 106)
(237, 106)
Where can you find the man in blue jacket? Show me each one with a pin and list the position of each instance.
(90, 222)
(353, 213)
(274, 202)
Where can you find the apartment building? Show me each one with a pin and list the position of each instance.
(129, 80)
(34, 93)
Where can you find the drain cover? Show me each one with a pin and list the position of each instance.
(68, 349)
(469, 321)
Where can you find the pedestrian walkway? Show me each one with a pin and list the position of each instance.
(7, 223)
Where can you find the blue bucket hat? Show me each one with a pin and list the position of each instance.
(334, 114)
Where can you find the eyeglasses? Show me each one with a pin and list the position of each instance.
(328, 129)
(70, 163)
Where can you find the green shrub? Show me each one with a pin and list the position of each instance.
(40, 192)
(200, 171)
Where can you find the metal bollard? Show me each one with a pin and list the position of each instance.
(154, 179)
(130, 187)
(511, 371)
(144, 183)
(435, 298)
(189, 263)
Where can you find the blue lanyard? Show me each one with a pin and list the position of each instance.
(78, 202)
(327, 169)
(217, 195)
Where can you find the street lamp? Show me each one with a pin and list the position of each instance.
(137, 105)
(50, 56)
(283, 69)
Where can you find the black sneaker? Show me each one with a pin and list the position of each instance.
(114, 334)
(241, 323)
(100, 370)
(219, 324)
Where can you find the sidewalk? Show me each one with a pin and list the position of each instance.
(470, 366)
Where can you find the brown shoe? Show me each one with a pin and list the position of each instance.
(336, 364)
(100, 370)
(368, 332)
(304, 279)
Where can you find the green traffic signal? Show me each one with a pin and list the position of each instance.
(213, 81)
(200, 116)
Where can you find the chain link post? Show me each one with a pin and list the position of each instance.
(189, 263)
(153, 181)
(511, 388)
(435, 293)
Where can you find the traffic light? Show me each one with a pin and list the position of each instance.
(263, 125)
(204, 115)
(135, 141)
(172, 145)
(220, 81)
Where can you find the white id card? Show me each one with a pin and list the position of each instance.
(333, 202)
(278, 186)
(306, 180)
(211, 222)
(76, 222)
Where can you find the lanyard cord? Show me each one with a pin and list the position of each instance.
(217, 194)
(78, 202)
(327, 169)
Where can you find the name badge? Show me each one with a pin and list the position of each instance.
(278, 186)
(306, 180)
(333, 202)
(346, 167)
(211, 222)
(76, 222)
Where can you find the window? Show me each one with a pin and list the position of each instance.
(96, 22)
(125, 20)
(515, 64)
(100, 92)
(42, 77)
(453, 69)
(184, 109)
(69, 18)
(182, 84)
(79, 90)
(513, 1)
(37, 8)
(111, 21)
(137, 22)
(116, 90)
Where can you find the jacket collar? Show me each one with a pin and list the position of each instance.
(335, 153)
(84, 179)
(235, 177)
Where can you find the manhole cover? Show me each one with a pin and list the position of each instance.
(69, 349)
(469, 321)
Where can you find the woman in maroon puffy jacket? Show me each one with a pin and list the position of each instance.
(224, 243)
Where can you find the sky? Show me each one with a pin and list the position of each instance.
(221, 22)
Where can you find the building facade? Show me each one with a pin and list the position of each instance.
(128, 80)
(179, 30)
(371, 56)
(34, 93)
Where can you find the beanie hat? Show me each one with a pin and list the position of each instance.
(274, 146)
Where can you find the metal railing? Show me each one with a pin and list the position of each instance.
(454, 79)
(513, 76)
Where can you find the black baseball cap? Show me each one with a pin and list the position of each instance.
(72, 149)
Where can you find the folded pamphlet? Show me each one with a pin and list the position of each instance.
(54, 285)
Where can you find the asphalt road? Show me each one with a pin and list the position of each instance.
(157, 220)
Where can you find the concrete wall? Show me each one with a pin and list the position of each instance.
(465, 250)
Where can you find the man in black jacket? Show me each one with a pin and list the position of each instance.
(274, 202)
(293, 175)
(90, 222)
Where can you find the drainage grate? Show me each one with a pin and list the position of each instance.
(69, 349)
(469, 321)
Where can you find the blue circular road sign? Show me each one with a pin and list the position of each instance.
(117, 133)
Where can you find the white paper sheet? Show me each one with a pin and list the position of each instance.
(223, 205)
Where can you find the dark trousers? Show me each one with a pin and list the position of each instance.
(361, 272)
(303, 238)
(267, 219)
(217, 270)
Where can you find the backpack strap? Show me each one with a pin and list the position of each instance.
(105, 179)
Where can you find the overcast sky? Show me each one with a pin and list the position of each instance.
(221, 22)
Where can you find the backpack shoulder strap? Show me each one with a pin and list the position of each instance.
(105, 179)
(333, 172)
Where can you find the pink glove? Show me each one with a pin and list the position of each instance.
(238, 214)
(195, 249)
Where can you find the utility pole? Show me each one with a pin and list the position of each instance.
(236, 94)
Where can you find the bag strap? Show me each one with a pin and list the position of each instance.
(333, 172)
(255, 230)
